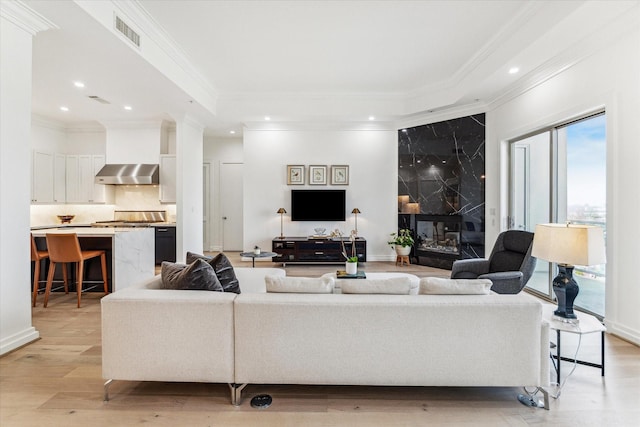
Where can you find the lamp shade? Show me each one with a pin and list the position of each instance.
(281, 211)
(570, 244)
(355, 211)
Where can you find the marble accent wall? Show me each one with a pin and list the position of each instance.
(441, 172)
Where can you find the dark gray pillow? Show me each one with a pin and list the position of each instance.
(196, 276)
(223, 268)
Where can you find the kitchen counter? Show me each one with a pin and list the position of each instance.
(130, 251)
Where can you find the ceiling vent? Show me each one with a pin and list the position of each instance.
(126, 30)
(98, 99)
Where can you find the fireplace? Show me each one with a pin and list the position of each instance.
(438, 240)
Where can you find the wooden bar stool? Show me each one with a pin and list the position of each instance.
(64, 248)
(37, 256)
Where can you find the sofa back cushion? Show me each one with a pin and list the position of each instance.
(390, 286)
(440, 286)
(299, 285)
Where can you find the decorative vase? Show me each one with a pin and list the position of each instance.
(351, 267)
(403, 250)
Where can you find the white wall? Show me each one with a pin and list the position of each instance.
(216, 152)
(609, 79)
(134, 142)
(15, 155)
(372, 156)
(189, 148)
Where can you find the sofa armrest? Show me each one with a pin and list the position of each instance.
(168, 335)
(469, 268)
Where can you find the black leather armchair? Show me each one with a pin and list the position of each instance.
(509, 267)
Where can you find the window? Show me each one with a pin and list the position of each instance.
(557, 175)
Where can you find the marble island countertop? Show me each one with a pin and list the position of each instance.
(130, 250)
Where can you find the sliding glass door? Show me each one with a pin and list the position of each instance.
(559, 175)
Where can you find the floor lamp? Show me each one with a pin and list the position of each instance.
(281, 211)
(568, 245)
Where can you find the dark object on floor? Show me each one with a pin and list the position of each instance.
(530, 401)
(261, 401)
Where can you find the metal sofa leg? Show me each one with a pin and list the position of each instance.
(545, 393)
(106, 390)
(236, 393)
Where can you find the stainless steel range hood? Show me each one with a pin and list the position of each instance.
(130, 174)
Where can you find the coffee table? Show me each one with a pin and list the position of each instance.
(254, 255)
(338, 288)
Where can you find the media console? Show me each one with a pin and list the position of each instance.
(312, 250)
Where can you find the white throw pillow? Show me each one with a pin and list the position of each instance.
(392, 285)
(299, 285)
(440, 286)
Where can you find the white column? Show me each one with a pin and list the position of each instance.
(17, 27)
(189, 187)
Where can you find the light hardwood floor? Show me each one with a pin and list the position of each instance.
(56, 381)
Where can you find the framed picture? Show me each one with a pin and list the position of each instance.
(340, 175)
(317, 175)
(295, 174)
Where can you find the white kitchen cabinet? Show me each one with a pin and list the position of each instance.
(167, 178)
(80, 179)
(59, 178)
(42, 183)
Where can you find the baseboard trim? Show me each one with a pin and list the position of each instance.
(18, 340)
(623, 332)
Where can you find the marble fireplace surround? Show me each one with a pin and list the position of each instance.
(441, 169)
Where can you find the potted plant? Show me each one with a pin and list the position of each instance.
(351, 266)
(402, 241)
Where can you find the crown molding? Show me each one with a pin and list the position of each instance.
(25, 17)
(47, 123)
(132, 124)
(581, 50)
(320, 126)
(441, 114)
(504, 33)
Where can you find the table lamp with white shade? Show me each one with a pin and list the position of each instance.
(568, 245)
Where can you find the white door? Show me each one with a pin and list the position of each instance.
(231, 205)
(206, 203)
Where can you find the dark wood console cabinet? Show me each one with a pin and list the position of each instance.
(307, 250)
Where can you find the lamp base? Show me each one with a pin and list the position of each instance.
(566, 290)
(566, 320)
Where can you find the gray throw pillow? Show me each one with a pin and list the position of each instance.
(223, 269)
(197, 276)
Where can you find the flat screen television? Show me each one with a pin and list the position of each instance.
(317, 205)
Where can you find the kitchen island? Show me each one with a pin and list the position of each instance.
(130, 252)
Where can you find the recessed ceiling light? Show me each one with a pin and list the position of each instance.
(78, 84)
(404, 130)
(232, 132)
(63, 108)
(371, 118)
(267, 118)
(128, 107)
(513, 70)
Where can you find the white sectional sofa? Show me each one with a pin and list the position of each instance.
(358, 339)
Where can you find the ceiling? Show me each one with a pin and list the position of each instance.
(303, 61)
